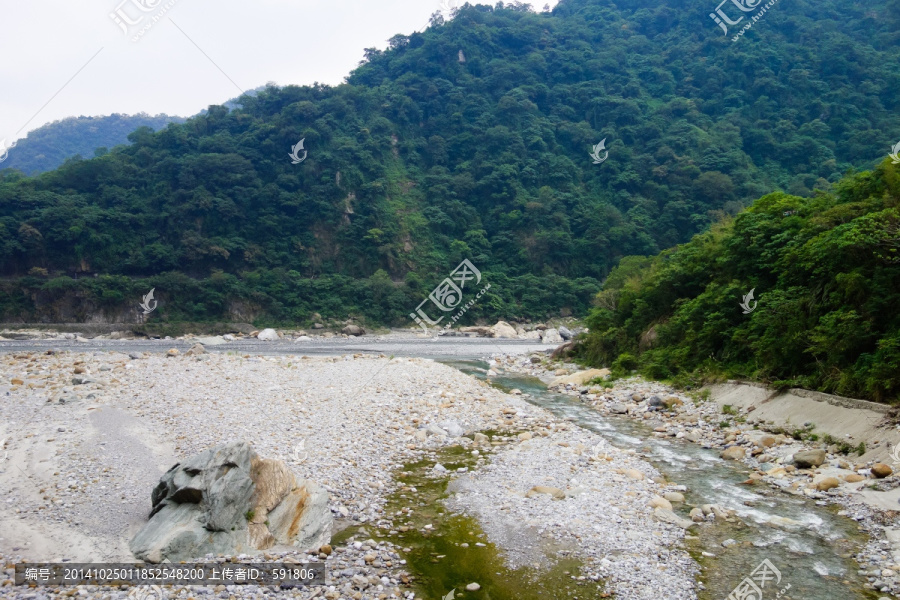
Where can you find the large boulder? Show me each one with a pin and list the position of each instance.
(808, 459)
(354, 330)
(565, 333)
(551, 336)
(227, 500)
(196, 350)
(267, 335)
(503, 330)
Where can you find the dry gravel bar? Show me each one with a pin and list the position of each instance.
(604, 518)
(84, 437)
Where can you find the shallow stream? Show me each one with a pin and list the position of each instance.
(808, 544)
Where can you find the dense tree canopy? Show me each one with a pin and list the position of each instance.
(826, 278)
(472, 140)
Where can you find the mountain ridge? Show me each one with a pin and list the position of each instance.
(422, 159)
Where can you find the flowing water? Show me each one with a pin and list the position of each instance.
(809, 544)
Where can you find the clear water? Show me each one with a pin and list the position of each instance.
(809, 544)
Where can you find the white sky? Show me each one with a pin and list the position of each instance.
(44, 43)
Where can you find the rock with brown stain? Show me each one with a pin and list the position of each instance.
(228, 500)
(881, 470)
(827, 483)
(733, 453)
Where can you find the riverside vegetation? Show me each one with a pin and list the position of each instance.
(826, 271)
(467, 140)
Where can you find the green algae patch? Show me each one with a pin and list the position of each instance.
(446, 551)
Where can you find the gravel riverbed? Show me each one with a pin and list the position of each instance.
(86, 436)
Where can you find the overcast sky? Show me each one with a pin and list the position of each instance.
(62, 58)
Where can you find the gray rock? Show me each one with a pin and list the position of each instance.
(196, 350)
(551, 336)
(655, 401)
(808, 459)
(565, 333)
(617, 408)
(503, 330)
(268, 335)
(226, 500)
(354, 330)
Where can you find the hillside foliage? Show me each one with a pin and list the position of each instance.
(826, 278)
(469, 140)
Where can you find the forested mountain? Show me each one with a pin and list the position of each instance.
(468, 140)
(825, 277)
(48, 147)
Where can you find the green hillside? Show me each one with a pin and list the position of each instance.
(826, 278)
(468, 140)
(48, 147)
